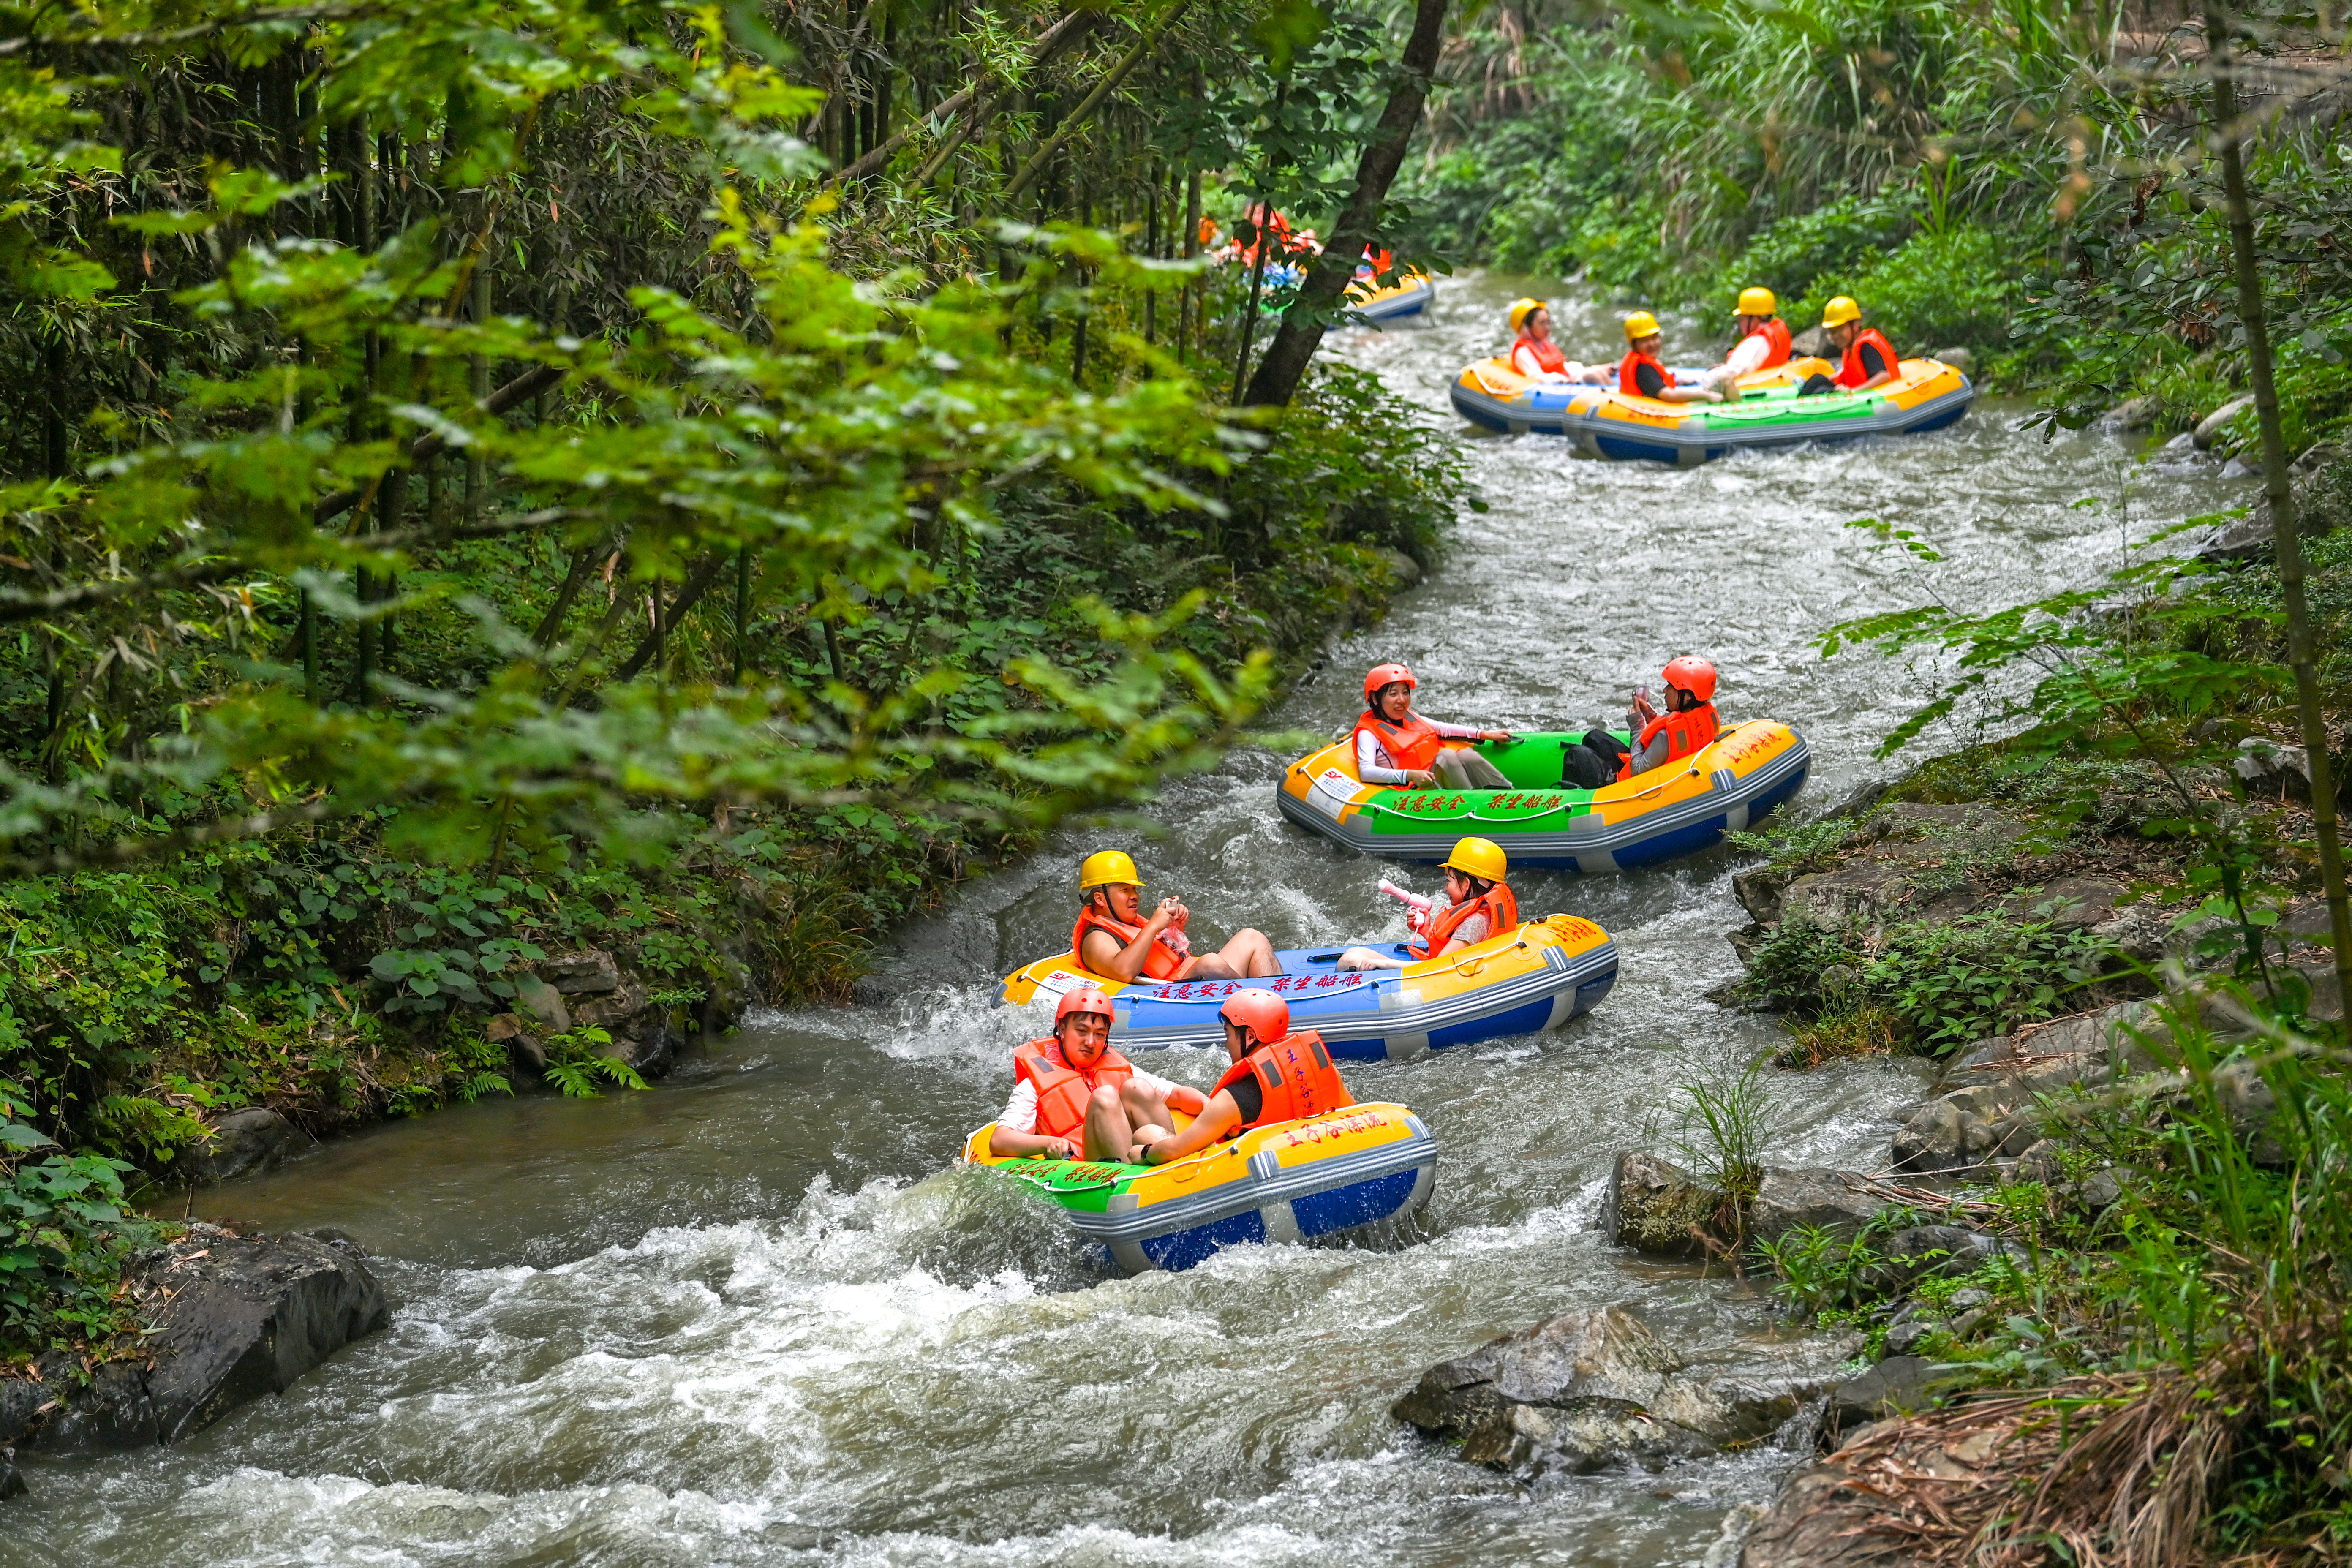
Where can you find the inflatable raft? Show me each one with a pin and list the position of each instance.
(1537, 977)
(1410, 295)
(1344, 1175)
(1927, 395)
(1674, 810)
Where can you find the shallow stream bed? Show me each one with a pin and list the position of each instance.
(753, 1317)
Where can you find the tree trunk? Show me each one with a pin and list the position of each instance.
(2302, 653)
(1286, 358)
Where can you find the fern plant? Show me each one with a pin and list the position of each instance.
(578, 1058)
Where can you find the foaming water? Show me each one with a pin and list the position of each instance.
(755, 1317)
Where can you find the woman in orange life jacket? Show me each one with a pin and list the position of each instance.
(1688, 725)
(1639, 374)
(1763, 339)
(1395, 745)
(1870, 360)
(1114, 938)
(1536, 357)
(1477, 906)
(1277, 1077)
(1072, 1083)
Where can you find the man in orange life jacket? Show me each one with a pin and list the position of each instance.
(1688, 725)
(1870, 360)
(1763, 338)
(1395, 745)
(1639, 374)
(1113, 937)
(1477, 906)
(1277, 1077)
(1074, 1097)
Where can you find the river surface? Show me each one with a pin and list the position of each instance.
(753, 1317)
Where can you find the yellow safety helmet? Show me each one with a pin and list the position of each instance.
(1521, 309)
(1639, 325)
(1480, 857)
(1839, 311)
(1106, 867)
(1757, 302)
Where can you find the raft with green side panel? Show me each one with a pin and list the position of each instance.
(1678, 809)
(1348, 1174)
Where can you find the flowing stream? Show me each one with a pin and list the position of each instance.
(754, 1316)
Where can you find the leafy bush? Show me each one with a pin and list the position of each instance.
(64, 1240)
(1953, 290)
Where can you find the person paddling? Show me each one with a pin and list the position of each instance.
(1477, 905)
(1275, 1077)
(1395, 745)
(1640, 375)
(1115, 938)
(1687, 726)
(1075, 1096)
(1536, 357)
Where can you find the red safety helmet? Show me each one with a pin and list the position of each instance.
(1261, 1013)
(1085, 1000)
(1386, 675)
(1694, 676)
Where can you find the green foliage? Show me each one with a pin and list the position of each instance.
(578, 1059)
(1719, 1124)
(1796, 848)
(65, 1238)
(1957, 289)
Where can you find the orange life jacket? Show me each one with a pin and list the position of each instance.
(1630, 384)
(1413, 748)
(1296, 1078)
(1375, 262)
(1499, 904)
(1775, 332)
(1160, 962)
(1852, 374)
(1690, 730)
(1547, 353)
(1061, 1089)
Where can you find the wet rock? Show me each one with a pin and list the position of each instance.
(1737, 1523)
(1584, 1390)
(640, 1029)
(2236, 468)
(1960, 359)
(20, 1398)
(1940, 1136)
(11, 1485)
(589, 972)
(2131, 413)
(244, 1142)
(2210, 426)
(1758, 890)
(246, 1316)
(1655, 1206)
(1895, 1386)
(1905, 1337)
(543, 1002)
(1403, 567)
(1828, 1200)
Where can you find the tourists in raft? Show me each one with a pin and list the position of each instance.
(1687, 725)
(1477, 906)
(1764, 341)
(1074, 1098)
(1114, 937)
(1639, 374)
(1277, 1077)
(1536, 357)
(1870, 360)
(1395, 745)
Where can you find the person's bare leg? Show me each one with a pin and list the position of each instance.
(1110, 1134)
(1251, 954)
(1147, 1113)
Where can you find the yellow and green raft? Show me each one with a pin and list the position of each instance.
(1671, 811)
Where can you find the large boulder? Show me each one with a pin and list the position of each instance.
(1655, 1206)
(235, 1318)
(1583, 1391)
(243, 1143)
(1831, 1201)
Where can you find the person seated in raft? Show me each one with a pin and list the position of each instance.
(1114, 937)
(1395, 745)
(1688, 725)
(1074, 1097)
(1764, 341)
(1477, 906)
(1536, 357)
(1277, 1077)
(1639, 374)
(1870, 360)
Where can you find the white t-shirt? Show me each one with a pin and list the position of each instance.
(1020, 1112)
(1750, 355)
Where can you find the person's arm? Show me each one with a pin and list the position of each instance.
(1655, 754)
(1748, 355)
(1014, 1134)
(1181, 1096)
(1102, 953)
(1876, 371)
(1467, 733)
(1369, 768)
(1219, 1116)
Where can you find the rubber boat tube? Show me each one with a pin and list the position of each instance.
(1346, 1175)
(1534, 978)
(1676, 810)
(1928, 395)
(1410, 295)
